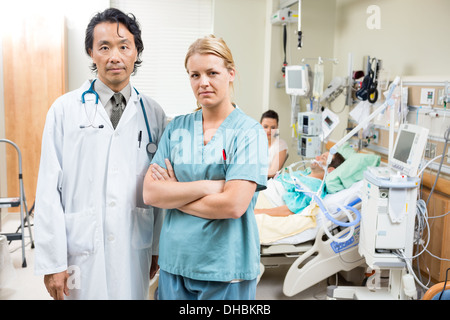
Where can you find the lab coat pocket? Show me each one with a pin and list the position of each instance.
(81, 230)
(143, 219)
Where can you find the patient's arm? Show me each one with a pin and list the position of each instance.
(281, 211)
(162, 190)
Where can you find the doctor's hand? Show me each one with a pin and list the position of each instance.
(159, 173)
(56, 285)
(154, 267)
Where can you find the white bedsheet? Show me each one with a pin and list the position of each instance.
(271, 197)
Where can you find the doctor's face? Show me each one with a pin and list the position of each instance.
(114, 53)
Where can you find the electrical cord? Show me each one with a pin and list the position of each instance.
(283, 69)
(445, 284)
(447, 138)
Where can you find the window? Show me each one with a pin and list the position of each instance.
(168, 28)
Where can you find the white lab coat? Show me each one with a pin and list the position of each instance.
(89, 214)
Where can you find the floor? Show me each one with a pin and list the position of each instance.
(23, 284)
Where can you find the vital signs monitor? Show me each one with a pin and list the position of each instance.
(297, 82)
(408, 150)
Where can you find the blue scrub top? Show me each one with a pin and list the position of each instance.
(205, 249)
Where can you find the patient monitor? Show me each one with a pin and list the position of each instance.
(297, 80)
(389, 208)
(408, 149)
(389, 199)
(388, 215)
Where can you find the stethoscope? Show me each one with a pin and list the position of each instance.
(151, 146)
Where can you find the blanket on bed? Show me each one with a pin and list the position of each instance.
(272, 229)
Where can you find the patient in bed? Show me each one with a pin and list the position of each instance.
(311, 178)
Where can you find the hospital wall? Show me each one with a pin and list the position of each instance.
(411, 38)
(244, 25)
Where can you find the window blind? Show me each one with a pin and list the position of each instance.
(168, 28)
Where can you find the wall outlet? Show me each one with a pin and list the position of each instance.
(427, 96)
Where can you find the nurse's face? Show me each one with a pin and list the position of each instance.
(114, 53)
(210, 80)
(270, 126)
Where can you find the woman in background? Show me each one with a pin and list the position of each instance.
(278, 149)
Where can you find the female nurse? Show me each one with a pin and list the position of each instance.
(207, 168)
(278, 148)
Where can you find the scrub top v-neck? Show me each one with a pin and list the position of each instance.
(206, 249)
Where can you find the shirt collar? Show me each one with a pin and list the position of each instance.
(105, 93)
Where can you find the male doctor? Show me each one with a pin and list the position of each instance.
(95, 238)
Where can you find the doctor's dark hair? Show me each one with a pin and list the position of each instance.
(113, 15)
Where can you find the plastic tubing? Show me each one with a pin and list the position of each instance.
(335, 221)
(345, 208)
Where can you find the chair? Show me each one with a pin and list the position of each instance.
(434, 293)
(16, 202)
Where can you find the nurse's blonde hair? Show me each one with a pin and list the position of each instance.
(211, 45)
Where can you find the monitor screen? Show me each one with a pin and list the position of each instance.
(408, 150)
(295, 79)
(404, 145)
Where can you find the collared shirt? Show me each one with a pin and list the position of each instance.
(105, 94)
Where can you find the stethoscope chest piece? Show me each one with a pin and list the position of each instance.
(151, 148)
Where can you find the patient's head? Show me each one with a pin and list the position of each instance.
(317, 168)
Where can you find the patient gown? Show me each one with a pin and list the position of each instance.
(297, 201)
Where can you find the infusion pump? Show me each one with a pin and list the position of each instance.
(309, 129)
(309, 146)
(309, 123)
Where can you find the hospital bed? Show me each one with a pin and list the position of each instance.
(312, 255)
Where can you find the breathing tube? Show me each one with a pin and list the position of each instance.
(316, 197)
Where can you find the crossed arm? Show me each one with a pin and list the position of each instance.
(209, 199)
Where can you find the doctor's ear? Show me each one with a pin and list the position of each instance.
(330, 169)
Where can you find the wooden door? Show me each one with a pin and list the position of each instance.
(34, 75)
